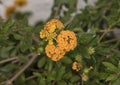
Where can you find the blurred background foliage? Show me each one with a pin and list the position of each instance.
(94, 27)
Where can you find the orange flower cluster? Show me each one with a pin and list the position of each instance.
(65, 41)
(17, 3)
(76, 66)
(10, 10)
(20, 2)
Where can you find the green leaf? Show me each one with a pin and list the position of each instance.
(68, 75)
(25, 43)
(49, 65)
(5, 51)
(23, 58)
(110, 66)
(103, 75)
(116, 82)
(75, 78)
(60, 73)
(84, 52)
(31, 82)
(8, 68)
(51, 75)
(70, 83)
(17, 36)
(41, 62)
(119, 65)
(20, 80)
(62, 83)
(41, 81)
(37, 74)
(112, 77)
(7, 25)
(66, 60)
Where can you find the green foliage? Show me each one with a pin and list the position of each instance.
(19, 42)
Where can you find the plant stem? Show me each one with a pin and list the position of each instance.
(69, 21)
(8, 60)
(23, 68)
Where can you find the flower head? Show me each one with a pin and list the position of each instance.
(58, 44)
(49, 36)
(10, 10)
(76, 66)
(53, 24)
(43, 34)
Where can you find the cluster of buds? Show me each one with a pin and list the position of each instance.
(85, 75)
(58, 43)
(76, 66)
(91, 50)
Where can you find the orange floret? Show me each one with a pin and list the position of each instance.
(67, 40)
(50, 49)
(48, 36)
(55, 53)
(43, 33)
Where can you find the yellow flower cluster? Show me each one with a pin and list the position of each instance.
(65, 41)
(76, 66)
(53, 24)
(11, 9)
(49, 30)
